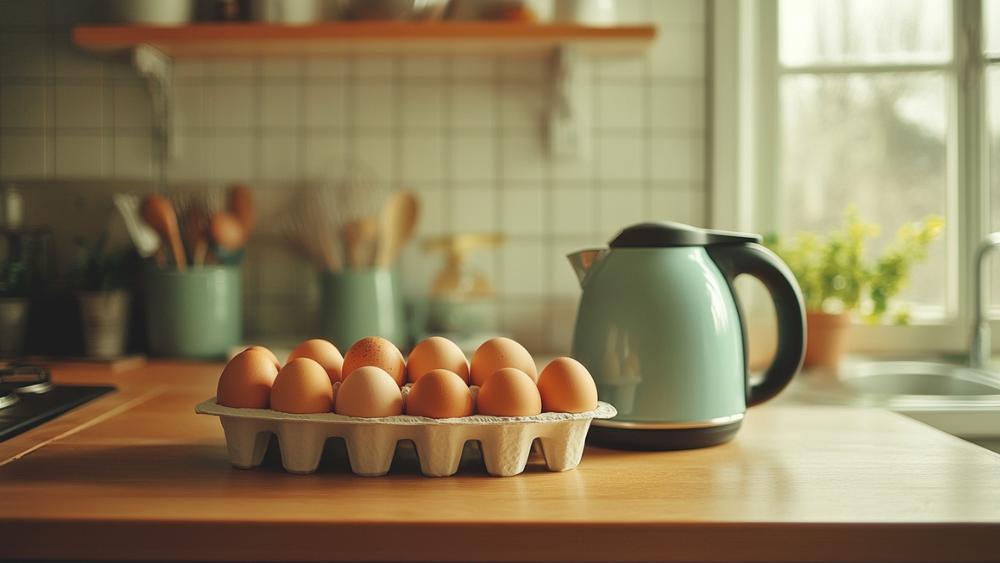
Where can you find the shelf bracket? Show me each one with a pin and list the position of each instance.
(568, 106)
(157, 69)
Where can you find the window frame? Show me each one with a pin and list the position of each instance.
(745, 80)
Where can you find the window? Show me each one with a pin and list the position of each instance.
(991, 61)
(876, 106)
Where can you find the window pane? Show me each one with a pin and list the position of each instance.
(876, 142)
(993, 111)
(991, 26)
(864, 31)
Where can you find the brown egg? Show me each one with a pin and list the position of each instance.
(378, 352)
(439, 393)
(246, 380)
(509, 392)
(302, 387)
(369, 392)
(566, 386)
(498, 353)
(436, 353)
(268, 352)
(324, 353)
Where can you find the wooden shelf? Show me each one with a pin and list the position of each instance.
(235, 40)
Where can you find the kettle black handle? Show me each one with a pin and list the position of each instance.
(761, 263)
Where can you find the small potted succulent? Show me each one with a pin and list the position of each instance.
(100, 278)
(13, 307)
(839, 281)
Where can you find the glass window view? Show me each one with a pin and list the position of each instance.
(864, 32)
(991, 45)
(865, 113)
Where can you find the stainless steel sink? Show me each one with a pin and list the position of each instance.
(905, 386)
(956, 399)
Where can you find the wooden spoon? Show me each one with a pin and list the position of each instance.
(358, 236)
(240, 204)
(195, 231)
(399, 221)
(159, 214)
(227, 231)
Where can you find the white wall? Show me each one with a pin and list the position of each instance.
(464, 132)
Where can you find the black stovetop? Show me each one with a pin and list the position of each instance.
(28, 398)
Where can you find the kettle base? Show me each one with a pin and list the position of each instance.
(662, 440)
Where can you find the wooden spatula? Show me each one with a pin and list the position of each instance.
(399, 221)
(159, 214)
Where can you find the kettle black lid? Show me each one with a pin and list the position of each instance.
(668, 233)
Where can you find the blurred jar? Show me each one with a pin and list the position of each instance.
(197, 313)
(150, 12)
(359, 303)
(589, 12)
(104, 315)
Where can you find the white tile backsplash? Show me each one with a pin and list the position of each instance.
(24, 55)
(473, 209)
(79, 106)
(279, 104)
(424, 158)
(524, 211)
(473, 106)
(82, 155)
(279, 157)
(678, 53)
(131, 104)
(573, 210)
(230, 104)
(320, 151)
(472, 157)
(618, 208)
(620, 157)
(523, 158)
(133, 156)
(232, 157)
(466, 132)
(524, 272)
(620, 104)
(325, 105)
(422, 104)
(676, 158)
(374, 103)
(678, 107)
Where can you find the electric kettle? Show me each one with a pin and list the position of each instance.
(662, 332)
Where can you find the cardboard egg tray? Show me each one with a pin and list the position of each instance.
(371, 442)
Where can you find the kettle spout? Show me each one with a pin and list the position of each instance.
(583, 260)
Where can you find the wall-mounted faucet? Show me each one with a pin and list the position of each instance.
(981, 345)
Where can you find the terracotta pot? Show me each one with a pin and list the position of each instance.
(826, 339)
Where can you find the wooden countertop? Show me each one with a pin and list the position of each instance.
(137, 475)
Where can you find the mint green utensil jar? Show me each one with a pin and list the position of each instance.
(359, 303)
(194, 314)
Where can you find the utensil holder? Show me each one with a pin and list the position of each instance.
(105, 318)
(359, 303)
(13, 322)
(194, 314)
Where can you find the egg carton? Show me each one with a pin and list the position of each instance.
(371, 442)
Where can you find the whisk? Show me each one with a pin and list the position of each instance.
(335, 221)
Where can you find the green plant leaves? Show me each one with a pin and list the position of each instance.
(835, 275)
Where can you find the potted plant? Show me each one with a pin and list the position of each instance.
(100, 277)
(839, 281)
(13, 307)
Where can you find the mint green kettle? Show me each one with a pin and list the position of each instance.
(662, 332)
